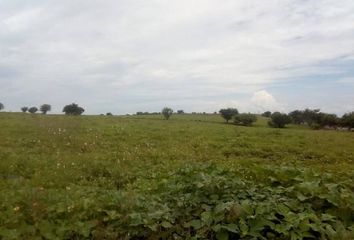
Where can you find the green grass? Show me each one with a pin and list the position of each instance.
(192, 176)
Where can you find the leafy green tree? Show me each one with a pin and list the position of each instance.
(326, 119)
(228, 113)
(279, 120)
(297, 117)
(180, 112)
(109, 114)
(347, 120)
(1, 106)
(45, 108)
(24, 109)
(73, 109)
(313, 118)
(167, 112)
(32, 109)
(267, 114)
(245, 119)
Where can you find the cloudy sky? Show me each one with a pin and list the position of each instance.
(123, 56)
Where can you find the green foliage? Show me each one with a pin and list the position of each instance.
(348, 120)
(73, 109)
(279, 120)
(167, 112)
(267, 114)
(192, 178)
(1, 106)
(314, 118)
(32, 109)
(245, 119)
(109, 114)
(180, 112)
(45, 108)
(24, 109)
(228, 113)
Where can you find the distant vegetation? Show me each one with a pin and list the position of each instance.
(313, 118)
(228, 113)
(24, 109)
(245, 119)
(167, 112)
(45, 108)
(279, 120)
(73, 109)
(32, 109)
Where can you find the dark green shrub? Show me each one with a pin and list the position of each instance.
(167, 112)
(279, 120)
(245, 119)
(32, 109)
(73, 109)
(348, 120)
(267, 114)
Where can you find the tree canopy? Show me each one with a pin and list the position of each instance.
(228, 113)
(167, 112)
(45, 108)
(73, 109)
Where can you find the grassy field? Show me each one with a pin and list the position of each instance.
(191, 177)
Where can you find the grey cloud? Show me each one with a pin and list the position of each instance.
(204, 53)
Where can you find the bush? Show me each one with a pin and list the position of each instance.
(73, 109)
(109, 114)
(1, 106)
(245, 119)
(279, 120)
(228, 113)
(167, 112)
(32, 109)
(180, 112)
(24, 109)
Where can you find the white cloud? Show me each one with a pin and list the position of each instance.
(264, 101)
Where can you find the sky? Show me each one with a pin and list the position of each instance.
(124, 56)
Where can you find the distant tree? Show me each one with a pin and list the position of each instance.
(267, 114)
(32, 109)
(24, 109)
(1, 106)
(73, 109)
(245, 119)
(167, 112)
(297, 116)
(45, 108)
(279, 120)
(347, 120)
(180, 112)
(311, 116)
(109, 114)
(228, 113)
(326, 119)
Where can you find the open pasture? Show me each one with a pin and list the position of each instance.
(191, 177)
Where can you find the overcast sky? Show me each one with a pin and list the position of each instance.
(123, 56)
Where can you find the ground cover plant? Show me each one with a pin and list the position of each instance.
(192, 177)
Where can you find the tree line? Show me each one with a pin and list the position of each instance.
(313, 118)
(71, 109)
